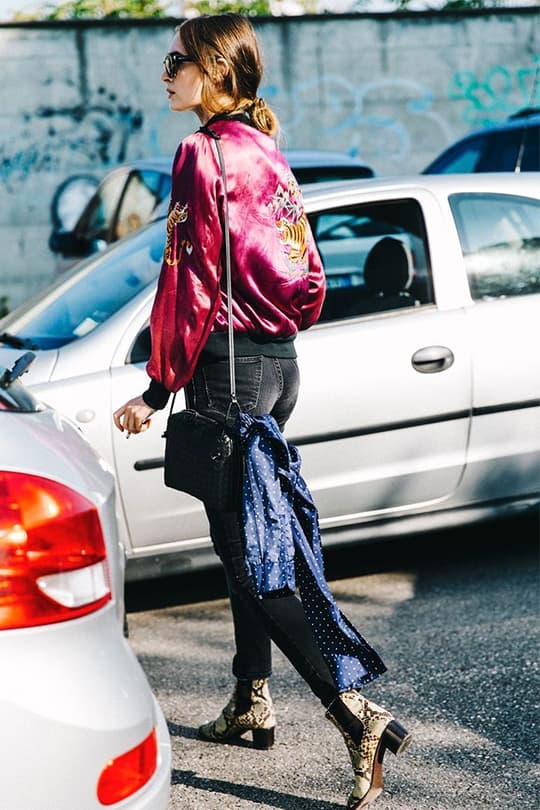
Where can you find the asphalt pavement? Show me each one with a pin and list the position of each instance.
(454, 616)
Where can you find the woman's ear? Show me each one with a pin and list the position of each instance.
(222, 68)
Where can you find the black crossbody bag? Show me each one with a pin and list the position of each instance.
(202, 454)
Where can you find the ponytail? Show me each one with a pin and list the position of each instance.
(263, 118)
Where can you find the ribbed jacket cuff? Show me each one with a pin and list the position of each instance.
(156, 395)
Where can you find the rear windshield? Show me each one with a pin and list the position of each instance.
(322, 174)
(91, 293)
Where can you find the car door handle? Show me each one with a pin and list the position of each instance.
(431, 359)
(85, 416)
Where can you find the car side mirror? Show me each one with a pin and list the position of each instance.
(68, 244)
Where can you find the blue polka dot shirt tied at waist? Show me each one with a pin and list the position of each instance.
(283, 548)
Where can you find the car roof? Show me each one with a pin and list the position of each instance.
(162, 163)
(439, 184)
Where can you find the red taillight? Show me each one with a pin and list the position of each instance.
(127, 773)
(52, 553)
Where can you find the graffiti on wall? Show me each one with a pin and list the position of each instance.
(98, 132)
(384, 120)
(381, 119)
(388, 121)
(496, 93)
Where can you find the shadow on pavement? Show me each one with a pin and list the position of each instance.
(268, 798)
(190, 733)
(458, 546)
(458, 640)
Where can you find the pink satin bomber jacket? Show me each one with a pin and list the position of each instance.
(277, 273)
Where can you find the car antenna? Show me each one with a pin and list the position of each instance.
(19, 367)
(521, 150)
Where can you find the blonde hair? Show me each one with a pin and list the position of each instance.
(229, 37)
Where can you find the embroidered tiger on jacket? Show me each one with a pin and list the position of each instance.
(173, 252)
(288, 210)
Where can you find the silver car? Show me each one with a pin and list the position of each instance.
(79, 724)
(420, 398)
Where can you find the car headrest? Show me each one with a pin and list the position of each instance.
(388, 268)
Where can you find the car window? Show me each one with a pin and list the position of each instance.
(96, 220)
(92, 294)
(529, 160)
(375, 258)
(462, 157)
(140, 197)
(500, 240)
(501, 151)
(322, 174)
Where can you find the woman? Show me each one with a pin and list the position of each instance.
(214, 69)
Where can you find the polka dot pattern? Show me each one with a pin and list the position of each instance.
(283, 548)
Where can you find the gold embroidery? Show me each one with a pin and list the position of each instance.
(177, 214)
(293, 235)
(288, 209)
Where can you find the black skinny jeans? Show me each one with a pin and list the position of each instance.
(263, 385)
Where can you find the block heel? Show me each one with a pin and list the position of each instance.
(250, 709)
(369, 731)
(263, 738)
(395, 738)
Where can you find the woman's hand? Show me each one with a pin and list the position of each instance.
(136, 416)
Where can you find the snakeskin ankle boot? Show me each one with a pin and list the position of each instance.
(368, 731)
(249, 709)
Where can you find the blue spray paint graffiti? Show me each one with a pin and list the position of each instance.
(99, 134)
(347, 117)
(407, 116)
(497, 94)
(341, 112)
(383, 120)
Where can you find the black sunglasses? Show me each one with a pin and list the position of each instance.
(173, 61)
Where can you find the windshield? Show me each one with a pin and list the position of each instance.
(91, 293)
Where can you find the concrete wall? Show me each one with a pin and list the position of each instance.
(394, 89)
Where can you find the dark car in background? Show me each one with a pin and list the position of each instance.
(127, 198)
(511, 146)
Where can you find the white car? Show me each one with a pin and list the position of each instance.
(80, 727)
(420, 396)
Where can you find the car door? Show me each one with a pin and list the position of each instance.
(384, 410)
(500, 240)
(376, 433)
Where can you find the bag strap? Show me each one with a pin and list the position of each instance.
(228, 273)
